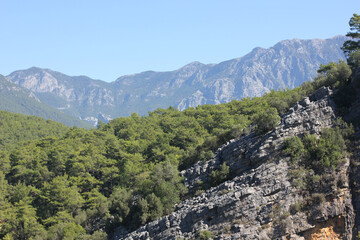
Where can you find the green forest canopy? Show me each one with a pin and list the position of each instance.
(67, 183)
(76, 182)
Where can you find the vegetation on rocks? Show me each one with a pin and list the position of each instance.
(77, 182)
(315, 164)
(319, 154)
(72, 183)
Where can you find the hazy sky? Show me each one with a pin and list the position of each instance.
(110, 38)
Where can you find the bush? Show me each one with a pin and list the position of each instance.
(220, 175)
(267, 120)
(325, 152)
(298, 177)
(317, 198)
(315, 160)
(332, 74)
(204, 235)
(149, 208)
(354, 59)
(294, 147)
(195, 155)
(313, 181)
(330, 149)
(296, 207)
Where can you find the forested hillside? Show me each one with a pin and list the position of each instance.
(17, 128)
(70, 183)
(84, 183)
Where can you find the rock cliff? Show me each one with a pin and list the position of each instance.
(257, 201)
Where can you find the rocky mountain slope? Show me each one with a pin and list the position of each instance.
(17, 99)
(285, 65)
(79, 96)
(258, 200)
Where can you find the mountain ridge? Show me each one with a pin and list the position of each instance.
(17, 99)
(285, 65)
(232, 171)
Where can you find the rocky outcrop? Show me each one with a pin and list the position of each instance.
(256, 202)
(310, 115)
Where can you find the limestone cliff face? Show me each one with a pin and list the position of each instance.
(256, 202)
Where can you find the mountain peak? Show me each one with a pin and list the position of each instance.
(285, 65)
(195, 63)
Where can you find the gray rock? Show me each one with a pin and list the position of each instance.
(255, 203)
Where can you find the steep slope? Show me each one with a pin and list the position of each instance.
(353, 115)
(285, 65)
(259, 202)
(126, 173)
(16, 99)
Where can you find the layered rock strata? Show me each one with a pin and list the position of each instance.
(255, 204)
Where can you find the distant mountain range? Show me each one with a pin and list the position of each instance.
(16, 99)
(285, 65)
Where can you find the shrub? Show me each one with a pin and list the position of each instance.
(220, 175)
(227, 228)
(354, 59)
(325, 152)
(317, 198)
(280, 104)
(199, 192)
(315, 160)
(330, 149)
(296, 207)
(342, 181)
(294, 147)
(120, 202)
(332, 74)
(298, 177)
(195, 155)
(267, 120)
(313, 181)
(203, 235)
(149, 208)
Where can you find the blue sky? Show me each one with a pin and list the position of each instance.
(107, 39)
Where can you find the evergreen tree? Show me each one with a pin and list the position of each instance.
(353, 44)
